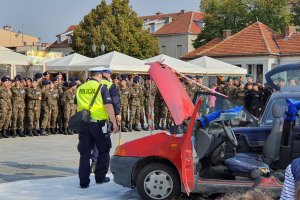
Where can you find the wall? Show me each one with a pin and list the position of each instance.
(171, 42)
(9, 39)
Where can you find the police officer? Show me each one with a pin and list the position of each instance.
(113, 91)
(256, 100)
(95, 133)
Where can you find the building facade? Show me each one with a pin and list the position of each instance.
(256, 48)
(176, 32)
(63, 42)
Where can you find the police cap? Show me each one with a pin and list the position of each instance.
(98, 70)
(54, 79)
(18, 77)
(72, 84)
(136, 79)
(106, 70)
(124, 76)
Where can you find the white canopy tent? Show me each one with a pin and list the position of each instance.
(63, 64)
(215, 67)
(115, 61)
(8, 57)
(178, 65)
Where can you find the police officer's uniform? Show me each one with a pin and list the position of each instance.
(94, 133)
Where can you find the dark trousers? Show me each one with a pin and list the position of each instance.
(89, 136)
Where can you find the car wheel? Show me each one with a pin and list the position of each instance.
(158, 181)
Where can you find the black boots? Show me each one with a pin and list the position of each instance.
(124, 129)
(35, 133)
(130, 128)
(136, 128)
(70, 131)
(53, 131)
(13, 133)
(21, 133)
(145, 128)
(30, 132)
(4, 133)
(43, 132)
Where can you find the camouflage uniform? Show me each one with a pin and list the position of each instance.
(34, 107)
(60, 114)
(135, 104)
(18, 108)
(158, 111)
(230, 91)
(124, 94)
(142, 113)
(240, 96)
(5, 109)
(191, 89)
(68, 104)
(45, 108)
(148, 105)
(53, 100)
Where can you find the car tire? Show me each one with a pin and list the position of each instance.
(158, 181)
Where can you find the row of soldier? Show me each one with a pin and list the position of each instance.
(40, 103)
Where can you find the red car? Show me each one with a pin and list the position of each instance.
(162, 165)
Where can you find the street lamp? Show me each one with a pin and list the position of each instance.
(94, 48)
(102, 49)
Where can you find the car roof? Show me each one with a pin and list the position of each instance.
(285, 94)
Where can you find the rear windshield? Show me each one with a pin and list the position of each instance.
(287, 78)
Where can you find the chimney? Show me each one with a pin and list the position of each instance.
(226, 34)
(289, 30)
(182, 11)
(158, 13)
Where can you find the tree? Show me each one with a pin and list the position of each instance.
(116, 26)
(237, 14)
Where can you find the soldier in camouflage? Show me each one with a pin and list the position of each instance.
(45, 107)
(18, 108)
(5, 106)
(34, 107)
(230, 89)
(60, 115)
(124, 93)
(68, 104)
(142, 112)
(150, 92)
(190, 87)
(135, 105)
(240, 94)
(53, 100)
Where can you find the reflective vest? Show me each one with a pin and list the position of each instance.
(107, 83)
(84, 96)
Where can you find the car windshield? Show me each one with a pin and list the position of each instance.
(213, 102)
(287, 78)
(268, 120)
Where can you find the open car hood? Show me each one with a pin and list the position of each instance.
(287, 74)
(179, 103)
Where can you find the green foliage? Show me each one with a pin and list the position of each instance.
(237, 14)
(116, 26)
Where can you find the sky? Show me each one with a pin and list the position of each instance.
(47, 18)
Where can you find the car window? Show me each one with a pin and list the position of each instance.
(287, 78)
(269, 116)
(211, 103)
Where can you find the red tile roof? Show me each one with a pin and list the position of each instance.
(63, 44)
(289, 45)
(183, 23)
(256, 39)
(70, 28)
(160, 16)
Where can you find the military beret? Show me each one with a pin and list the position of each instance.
(76, 78)
(66, 84)
(54, 79)
(235, 78)
(5, 78)
(45, 82)
(114, 77)
(249, 75)
(242, 82)
(28, 79)
(124, 76)
(229, 78)
(34, 80)
(136, 79)
(222, 83)
(72, 84)
(71, 79)
(188, 76)
(249, 84)
(46, 73)
(18, 77)
(59, 73)
(38, 75)
(199, 77)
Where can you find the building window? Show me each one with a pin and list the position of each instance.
(163, 50)
(178, 51)
(152, 28)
